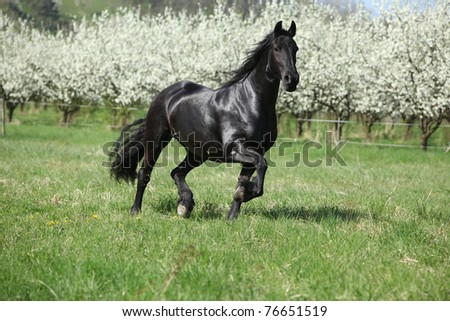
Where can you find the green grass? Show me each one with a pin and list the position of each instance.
(80, 8)
(376, 229)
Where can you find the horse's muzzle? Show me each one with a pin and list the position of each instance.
(290, 81)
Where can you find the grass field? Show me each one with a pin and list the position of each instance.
(377, 229)
(87, 7)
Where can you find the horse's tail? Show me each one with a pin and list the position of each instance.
(127, 151)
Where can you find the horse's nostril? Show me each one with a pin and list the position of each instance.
(287, 79)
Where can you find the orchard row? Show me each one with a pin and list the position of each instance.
(394, 64)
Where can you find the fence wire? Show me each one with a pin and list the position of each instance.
(312, 120)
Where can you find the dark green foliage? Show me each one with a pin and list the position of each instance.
(43, 14)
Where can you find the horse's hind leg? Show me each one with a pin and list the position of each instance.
(157, 136)
(186, 197)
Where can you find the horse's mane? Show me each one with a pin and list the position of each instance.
(252, 59)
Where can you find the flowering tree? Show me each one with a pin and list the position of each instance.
(394, 64)
(327, 69)
(70, 70)
(420, 69)
(16, 80)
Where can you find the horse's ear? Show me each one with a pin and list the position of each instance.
(278, 29)
(292, 29)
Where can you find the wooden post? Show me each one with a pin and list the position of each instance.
(3, 117)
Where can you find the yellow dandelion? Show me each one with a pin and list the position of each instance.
(95, 216)
(51, 223)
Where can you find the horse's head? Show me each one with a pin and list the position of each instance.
(282, 56)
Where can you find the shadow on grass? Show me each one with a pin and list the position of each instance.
(313, 214)
(205, 211)
(213, 211)
(210, 211)
(165, 204)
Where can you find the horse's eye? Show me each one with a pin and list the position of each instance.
(276, 48)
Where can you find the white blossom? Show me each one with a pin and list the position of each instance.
(395, 63)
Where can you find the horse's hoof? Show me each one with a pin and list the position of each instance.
(134, 211)
(183, 211)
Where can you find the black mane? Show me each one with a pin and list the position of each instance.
(252, 59)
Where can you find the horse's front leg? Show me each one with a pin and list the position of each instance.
(248, 189)
(244, 190)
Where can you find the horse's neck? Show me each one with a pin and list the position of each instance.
(265, 93)
(263, 87)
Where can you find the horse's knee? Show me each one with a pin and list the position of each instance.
(239, 194)
(262, 165)
(143, 177)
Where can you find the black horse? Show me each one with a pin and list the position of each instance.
(235, 123)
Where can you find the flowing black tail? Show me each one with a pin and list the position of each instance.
(128, 150)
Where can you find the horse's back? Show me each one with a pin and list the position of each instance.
(187, 106)
(183, 90)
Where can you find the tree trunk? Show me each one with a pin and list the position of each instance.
(11, 107)
(279, 114)
(65, 116)
(409, 120)
(280, 122)
(369, 126)
(115, 121)
(309, 116)
(424, 141)
(369, 119)
(68, 113)
(302, 118)
(126, 114)
(338, 130)
(299, 129)
(428, 126)
(340, 118)
(3, 117)
(389, 128)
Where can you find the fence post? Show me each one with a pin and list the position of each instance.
(3, 118)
